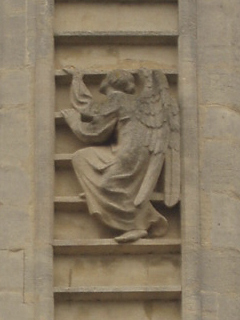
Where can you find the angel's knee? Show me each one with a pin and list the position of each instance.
(80, 158)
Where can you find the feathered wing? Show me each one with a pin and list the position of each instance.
(172, 159)
(156, 110)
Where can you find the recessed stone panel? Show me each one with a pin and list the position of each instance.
(110, 57)
(66, 183)
(66, 142)
(133, 310)
(117, 270)
(120, 17)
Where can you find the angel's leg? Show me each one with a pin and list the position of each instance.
(158, 228)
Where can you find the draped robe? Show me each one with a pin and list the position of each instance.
(111, 171)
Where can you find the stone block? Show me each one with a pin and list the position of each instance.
(108, 57)
(215, 29)
(219, 87)
(15, 227)
(191, 302)
(12, 307)
(218, 58)
(229, 307)
(16, 191)
(13, 6)
(108, 310)
(220, 166)
(210, 303)
(207, 316)
(220, 271)
(15, 136)
(13, 40)
(119, 17)
(225, 228)
(12, 271)
(15, 87)
(220, 122)
(117, 270)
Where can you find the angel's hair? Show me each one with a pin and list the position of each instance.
(121, 80)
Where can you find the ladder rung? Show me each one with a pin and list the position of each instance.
(118, 293)
(110, 246)
(116, 38)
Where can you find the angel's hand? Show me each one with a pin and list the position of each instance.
(71, 70)
(67, 112)
(69, 115)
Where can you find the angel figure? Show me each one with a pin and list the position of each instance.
(131, 137)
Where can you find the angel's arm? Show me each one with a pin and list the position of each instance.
(98, 130)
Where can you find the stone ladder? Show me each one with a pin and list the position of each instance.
(94, 248)
(94, 276)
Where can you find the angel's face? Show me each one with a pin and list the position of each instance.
(118, 80)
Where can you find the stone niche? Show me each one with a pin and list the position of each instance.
(94, 276)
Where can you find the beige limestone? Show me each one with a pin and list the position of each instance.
(120, 17)
(115, 57)
(117, 177)
(208, 66)
(117, 270)
(108, 310)
(72, 222)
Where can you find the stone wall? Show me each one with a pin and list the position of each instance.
(16, 160)
(219, 135)
(25, 105)
(209, 57)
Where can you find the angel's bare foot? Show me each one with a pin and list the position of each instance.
(82, 196)
(131, 236)
(159, 228)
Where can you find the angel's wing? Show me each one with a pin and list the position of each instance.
(172, 159)
(156, 110)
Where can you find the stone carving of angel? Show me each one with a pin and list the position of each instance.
(129, 137)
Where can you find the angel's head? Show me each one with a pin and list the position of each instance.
(119, 80)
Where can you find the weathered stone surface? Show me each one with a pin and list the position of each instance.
(120, 17)
(210, 303)
(15, 132)
(220, 166)
(219, 280)
(13, 35)
(117, 177)
(15, 87)
(116, 56)
(18, 38)
(225, 226)
(12, 7)
(219, 87)
(220, 28)
(112, 309)
(13, 307)
(12, 271)
(209, 97)
(229, 307)
(218, 121)
(117, 270)
(16, 192)
(15, 227)
(219, 96)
